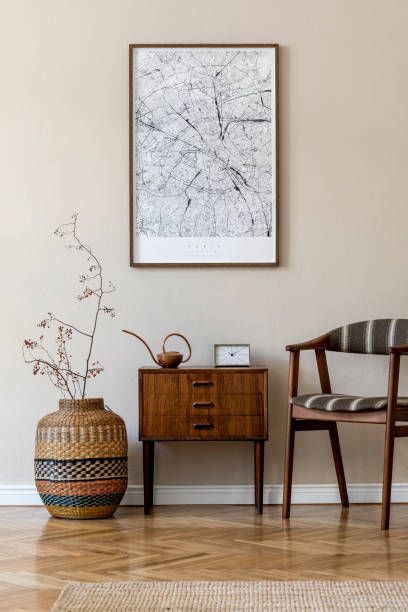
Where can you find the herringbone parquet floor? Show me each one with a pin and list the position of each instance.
(39, 554)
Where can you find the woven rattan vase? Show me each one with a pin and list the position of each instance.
(81, 460)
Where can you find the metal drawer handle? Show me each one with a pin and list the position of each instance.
(203, 404)
(203, 426)
(202, 383)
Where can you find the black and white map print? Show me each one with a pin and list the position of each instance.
(204, 142)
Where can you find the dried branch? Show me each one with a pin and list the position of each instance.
(69, 381)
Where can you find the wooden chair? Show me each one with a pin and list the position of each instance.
(324, 410)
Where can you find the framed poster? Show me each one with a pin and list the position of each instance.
(203, 155)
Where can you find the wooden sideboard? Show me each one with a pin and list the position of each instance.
(202, 404)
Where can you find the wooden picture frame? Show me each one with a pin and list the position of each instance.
(215, 216)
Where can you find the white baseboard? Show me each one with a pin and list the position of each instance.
(16, 495)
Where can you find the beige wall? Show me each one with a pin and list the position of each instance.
(344, 214)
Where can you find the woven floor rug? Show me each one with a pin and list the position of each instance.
(295, 596)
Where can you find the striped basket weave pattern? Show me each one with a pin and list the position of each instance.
(81, 460)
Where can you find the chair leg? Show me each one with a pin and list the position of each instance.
(338, 464)
(387, 476)
(287, 481)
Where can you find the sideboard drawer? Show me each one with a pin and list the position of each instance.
(186, 384)
(235, 404)
(222, 382)
(214, 404)
(202, 428)
(239, 382)
(155, 384)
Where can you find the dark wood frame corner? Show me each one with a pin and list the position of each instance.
(133, 264)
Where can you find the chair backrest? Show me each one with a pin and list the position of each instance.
(372, 337)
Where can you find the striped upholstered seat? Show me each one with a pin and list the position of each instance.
(336, 402)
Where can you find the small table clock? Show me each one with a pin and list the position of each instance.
(231, 355)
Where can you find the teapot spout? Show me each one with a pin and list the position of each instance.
(144, 342)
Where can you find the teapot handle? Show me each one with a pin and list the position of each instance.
(185, 340)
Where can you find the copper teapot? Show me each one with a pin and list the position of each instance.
(166, 359)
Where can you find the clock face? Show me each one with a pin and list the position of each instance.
(229, 355)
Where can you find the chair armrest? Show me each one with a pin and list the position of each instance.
(400, 349)
(322, 342)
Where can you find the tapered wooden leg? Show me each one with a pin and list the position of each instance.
(338, 464)
(151, 473)
(148, 475)
(387, 476)
(259, 471)
(287, 480)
